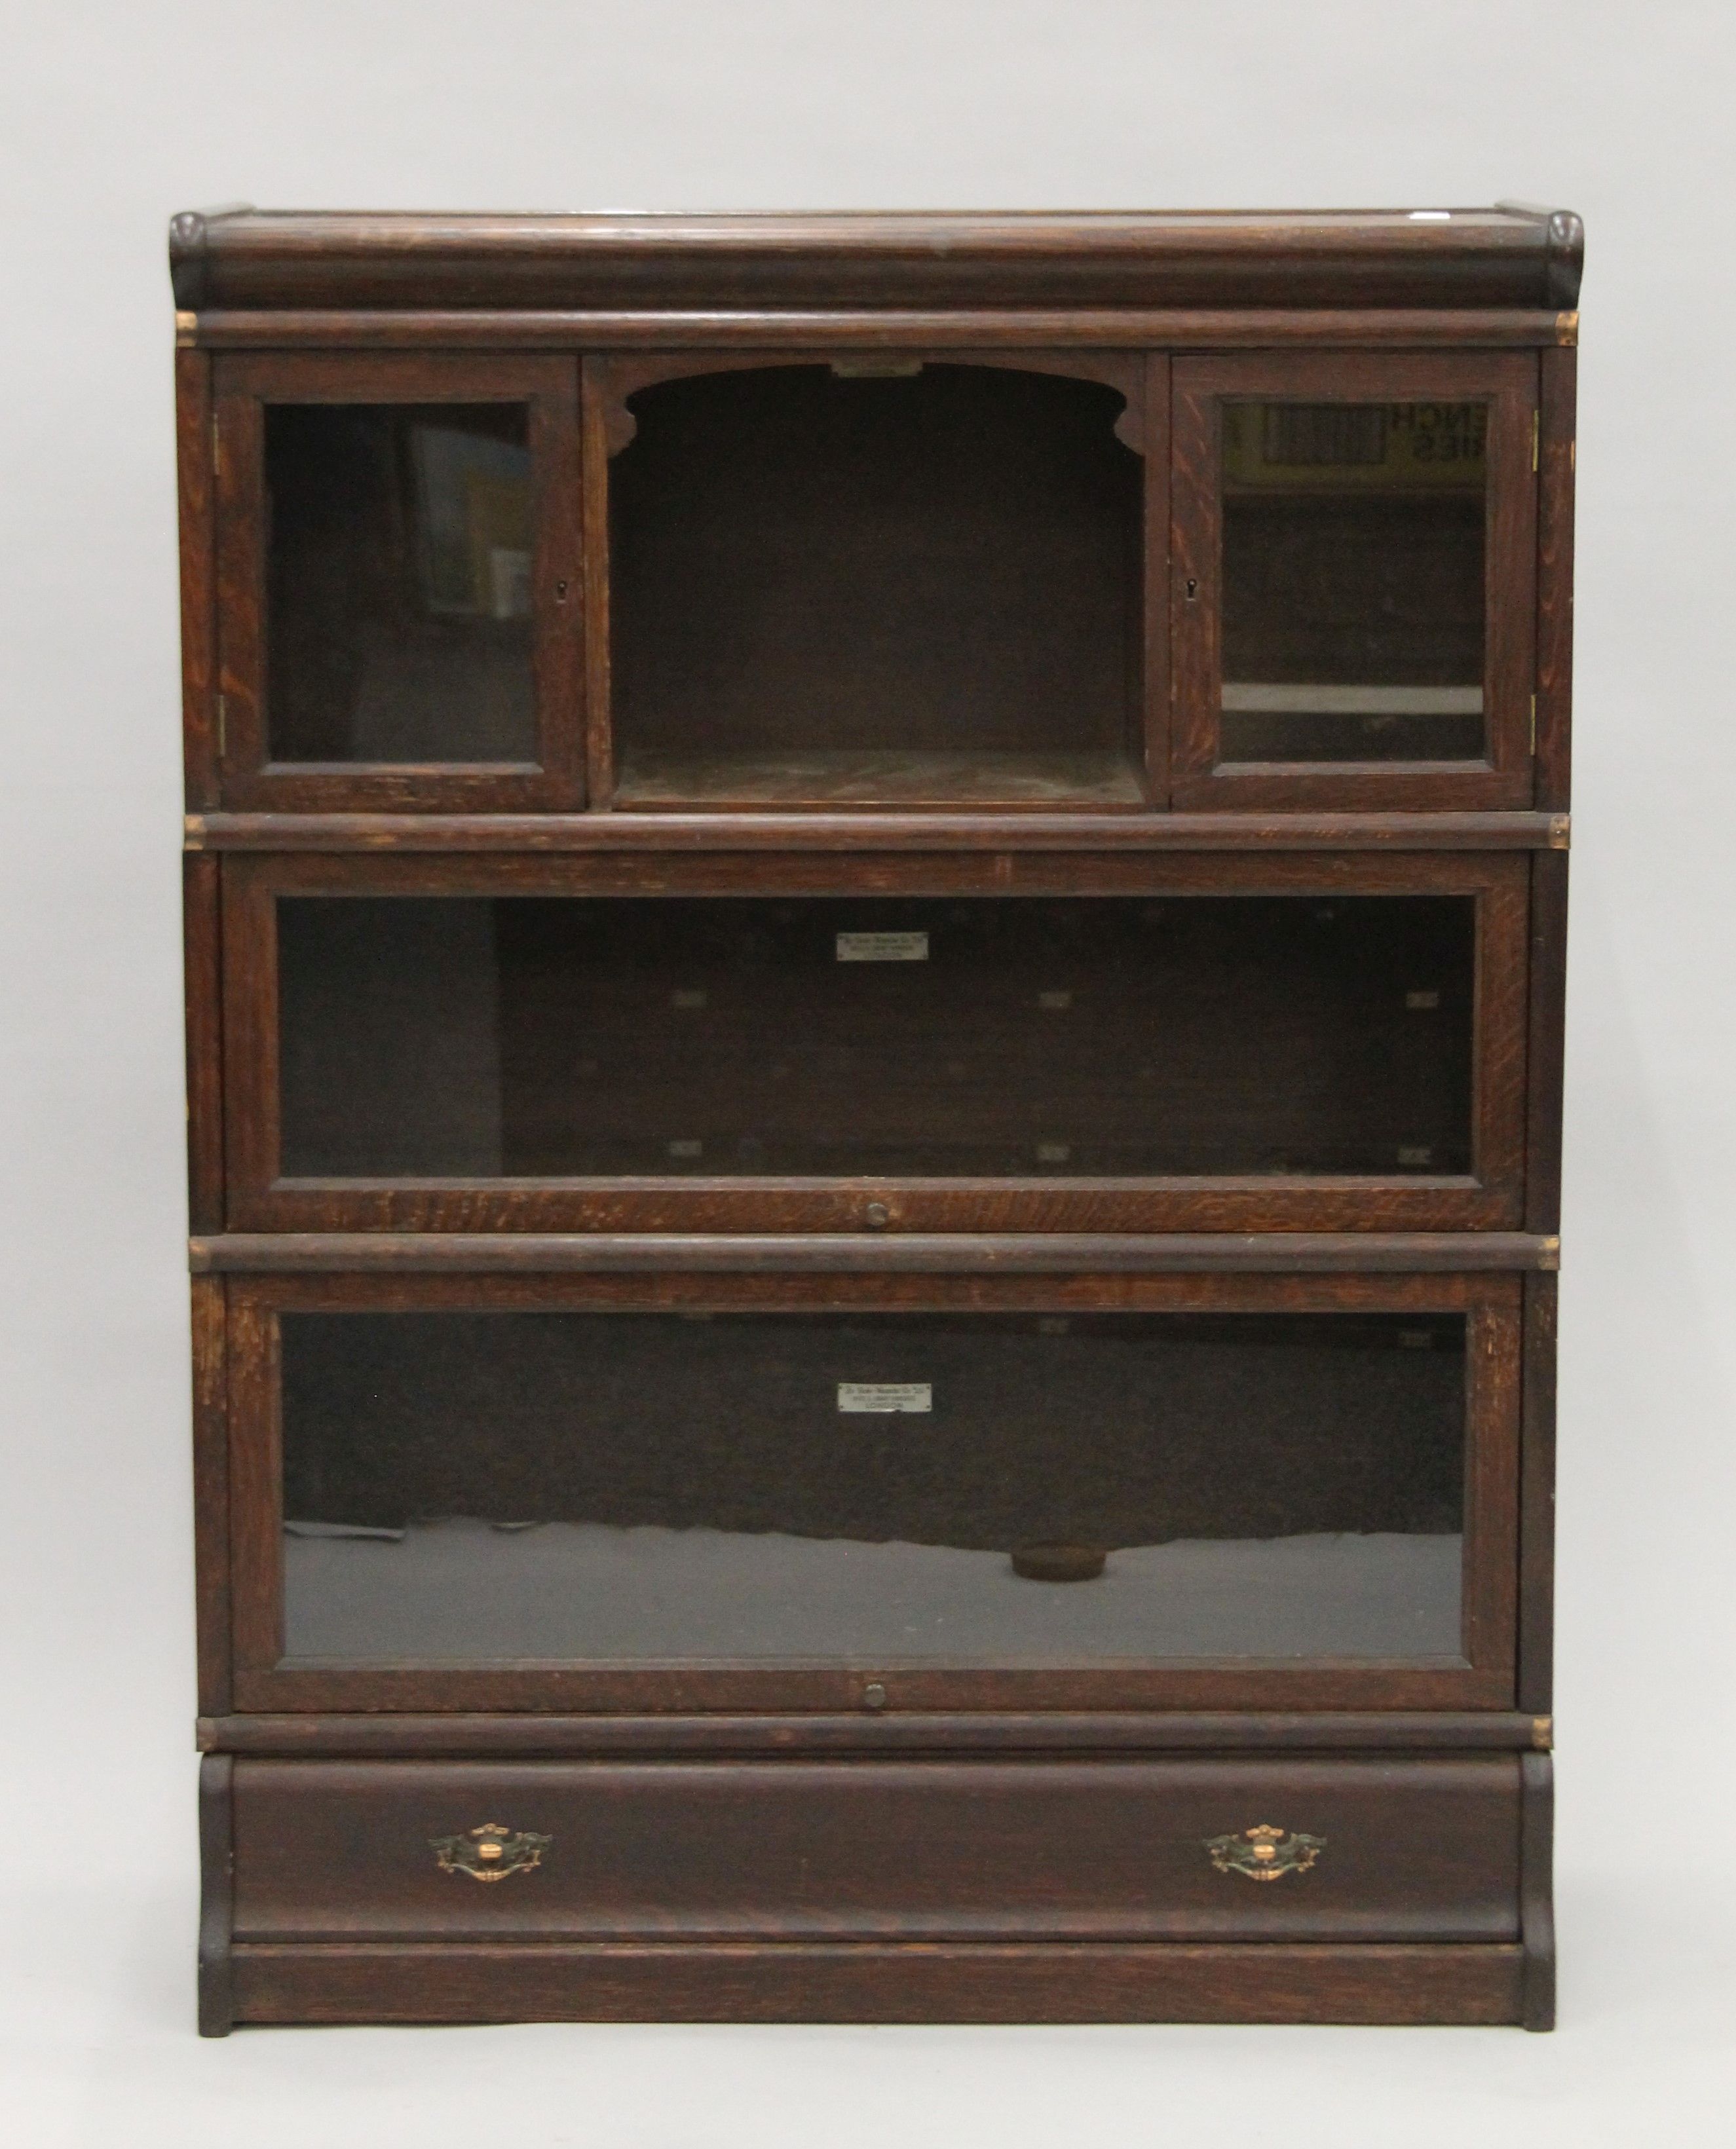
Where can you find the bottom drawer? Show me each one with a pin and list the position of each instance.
(1219, 1850)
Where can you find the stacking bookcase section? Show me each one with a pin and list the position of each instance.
(1149, 1044)
(774, 1491)
(879, 580)
(875, 966)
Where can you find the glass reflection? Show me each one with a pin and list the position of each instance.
(398, 582)
(1070, 1037)
(975, 1488)
(1353, 581)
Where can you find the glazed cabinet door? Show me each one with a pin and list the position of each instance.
(677, 1491)
(1145, 1044)
(400, 599)
(1353, 574)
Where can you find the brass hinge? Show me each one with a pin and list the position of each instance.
(1542, 1732)
(1558, 832)
(223, 727)
(1537, 424)
(1534, 726)
(1566, 327)
(216, 447)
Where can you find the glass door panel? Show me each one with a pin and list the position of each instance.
(398, 552)
(1042, 1038)
(399, 557)
(1353, 573)
(1353, 577)
(990, 1489)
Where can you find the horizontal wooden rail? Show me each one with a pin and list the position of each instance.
(1032, 1253)
(849, 831)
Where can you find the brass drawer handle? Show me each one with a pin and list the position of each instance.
(489, 1853)
(1264, 1853)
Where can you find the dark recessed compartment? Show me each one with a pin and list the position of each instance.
(835, 589)
(464, 1486)
(399, 580)
(1353, 580)
(1058, 1038)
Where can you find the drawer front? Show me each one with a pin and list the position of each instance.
(1347, 1849)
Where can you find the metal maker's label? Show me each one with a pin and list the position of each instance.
(883, 947)
(885, 1395)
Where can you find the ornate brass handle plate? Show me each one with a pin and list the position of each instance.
(490, 1852)
(1265, 1853)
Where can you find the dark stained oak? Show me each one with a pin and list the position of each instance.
(195, 477)
(201, 956)
(1111, 1849)
(217, 1869)
(743, 693)
(1204, 777)
(545, 1736)
(886, 328)
(1556, 458)
(263, 1197)
(933, 830)
(1546, 1050)
(1480, 1678)
(247, 385)
(1536, 1497)
(785, 1982)
(211, 1489)
(1537, 1895)
(1365, 258)
(1053, 1253)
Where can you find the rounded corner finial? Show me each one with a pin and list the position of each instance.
(187, 232)
(1566, 258)
(189, 253)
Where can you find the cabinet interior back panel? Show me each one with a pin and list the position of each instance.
(534, 1037)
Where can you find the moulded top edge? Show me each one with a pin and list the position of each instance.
(1506, 256)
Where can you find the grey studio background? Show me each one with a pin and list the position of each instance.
(113, 116)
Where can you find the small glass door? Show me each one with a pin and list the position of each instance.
(399, 543)
(1351, 599)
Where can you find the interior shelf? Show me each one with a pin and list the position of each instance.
(893, 778)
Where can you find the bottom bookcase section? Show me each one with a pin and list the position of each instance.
(804, 1491)
(1226, 1887)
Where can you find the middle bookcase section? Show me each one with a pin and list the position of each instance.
(689, 1489)
(877, 579)
(1305, 1046)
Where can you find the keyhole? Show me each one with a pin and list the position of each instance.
(559, 593)
(1193, 589)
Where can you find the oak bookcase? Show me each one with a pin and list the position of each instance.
(875, 952)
